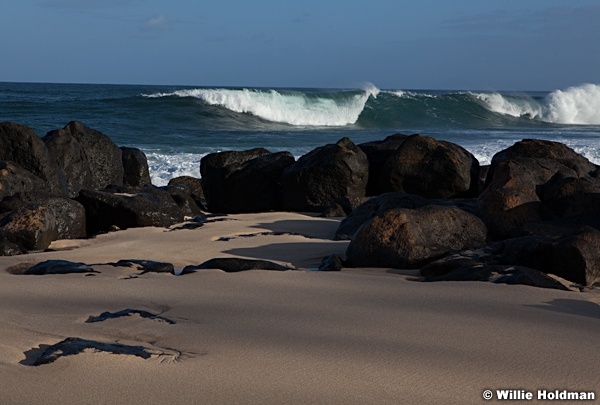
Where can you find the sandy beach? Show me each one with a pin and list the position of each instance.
(356, 336)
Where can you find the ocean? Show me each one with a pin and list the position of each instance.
(176, 125)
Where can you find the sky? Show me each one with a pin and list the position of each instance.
(393, 44)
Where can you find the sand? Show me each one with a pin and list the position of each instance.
(261, 337)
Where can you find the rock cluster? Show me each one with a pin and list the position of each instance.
(410, 201)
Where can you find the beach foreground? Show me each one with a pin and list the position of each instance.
(356, 336)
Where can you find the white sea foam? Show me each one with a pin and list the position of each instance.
(294, 108)
(575, 105)
(578, 105)
(163, 167)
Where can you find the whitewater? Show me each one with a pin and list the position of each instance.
(177, 125)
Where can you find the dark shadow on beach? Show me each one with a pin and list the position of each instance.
(322, 228)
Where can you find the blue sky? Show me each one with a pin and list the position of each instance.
(399, 44)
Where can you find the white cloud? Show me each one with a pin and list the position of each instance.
(158, 23)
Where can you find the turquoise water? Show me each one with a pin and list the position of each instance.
(177, 125)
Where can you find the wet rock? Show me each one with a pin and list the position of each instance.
(146, 266)
(51, 267)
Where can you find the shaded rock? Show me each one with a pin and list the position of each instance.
(184, 200)
(547, 151)
(344, 206)
(234, 264)
(89, 159)
(73, 345)
(405, 238)
(135, 167)
(324, 174)
(378, 153)
(193, 185)
(503, 274)
(569, 196)
(32, 228)
(23, 147)
(51, 267)
(246, 181)
(459, 260)
(128, 208)
(146, 266)
(331, 263)
(516, 176)
(69, 214)
(574, 257)
(128, 312)
(388, 201)
(8, 248)
(431, 168)
(14, 179)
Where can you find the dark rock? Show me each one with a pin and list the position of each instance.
(23, 147)
(33, 227)
(331, 263)
(405, 238)
(431, 168)
(184, 200)
(128, 312)
(569, 196)
(547, 151)
(69, 214)
(375, 206)
(73, 345)
(14, 179)
(8, 248)
(51, 267)
(193, 185)
(234, 264)
(378, 153)
(146, 266)
(89, 159)
(324, 174)
(124, 208)
(575, 257)
(246, 181)
(502, 274)
(459, 260)
(135, 167)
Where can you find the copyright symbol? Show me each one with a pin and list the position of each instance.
(487, 395)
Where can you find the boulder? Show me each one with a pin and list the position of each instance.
(14, 180)
(409, 238)
(235, 264)
(236, 182)
(324, 174)
(187, 202)
(511, 198)
(193, 185)
(33, 227)
(431, 168)
(20, 145)
(89, 159)
(574, 257)
(135, 167)
(126, 207)
(69, 214)
(563, 197)
(378, 153)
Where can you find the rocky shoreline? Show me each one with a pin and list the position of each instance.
(410, 201)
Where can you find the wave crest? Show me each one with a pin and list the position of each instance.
(294, 108)
(579, 105)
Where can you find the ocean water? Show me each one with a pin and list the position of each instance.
(176, 125)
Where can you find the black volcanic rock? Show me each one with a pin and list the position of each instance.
(89, 159)
(135, 167)
(324, 174)
(20, 145)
